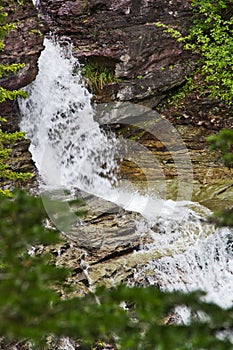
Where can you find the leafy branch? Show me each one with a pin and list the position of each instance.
(30, 307)
(210, 37)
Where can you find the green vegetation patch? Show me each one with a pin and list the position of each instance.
(224, 143)
(210, 38)
(96, 76)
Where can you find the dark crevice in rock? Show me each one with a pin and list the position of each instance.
(116, 254)
(148, 60)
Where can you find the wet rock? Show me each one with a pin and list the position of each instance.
(20, 157)
(106, 230)
(149, 64)
(20, 161)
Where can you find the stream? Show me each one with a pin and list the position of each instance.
(77, 155)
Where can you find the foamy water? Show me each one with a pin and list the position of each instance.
(72, 152)
(67, 145)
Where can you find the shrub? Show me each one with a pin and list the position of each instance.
(210, 37)
(224, 143)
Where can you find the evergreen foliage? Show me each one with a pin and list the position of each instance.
(31, 309)
(223, 142)
(9, 68)
(25, 301)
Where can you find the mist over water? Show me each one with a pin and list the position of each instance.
(72, 152)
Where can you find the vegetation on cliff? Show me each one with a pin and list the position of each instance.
(224, 143)
(96, 76)
(7, 139)
(210, 38)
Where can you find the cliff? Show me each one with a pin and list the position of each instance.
(22, 45)
(123, 36)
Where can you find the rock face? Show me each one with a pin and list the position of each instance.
(22, 45)
(123, 35)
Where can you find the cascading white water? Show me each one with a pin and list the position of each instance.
(205, 265)
(67, 145)
(71, 151)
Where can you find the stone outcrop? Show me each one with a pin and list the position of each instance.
(123, 35)
(22, 45)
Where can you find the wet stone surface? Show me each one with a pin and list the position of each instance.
(110, 243)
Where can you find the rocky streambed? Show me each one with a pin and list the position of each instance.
(110, 244)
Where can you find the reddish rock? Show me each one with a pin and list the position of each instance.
(22, 45)
(122, 34)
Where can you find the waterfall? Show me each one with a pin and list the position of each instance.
(71, 151)
(67, 145)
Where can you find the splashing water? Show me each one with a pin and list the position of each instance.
(71, 151)
(67, 145)
(194, 255)
(205, 265)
